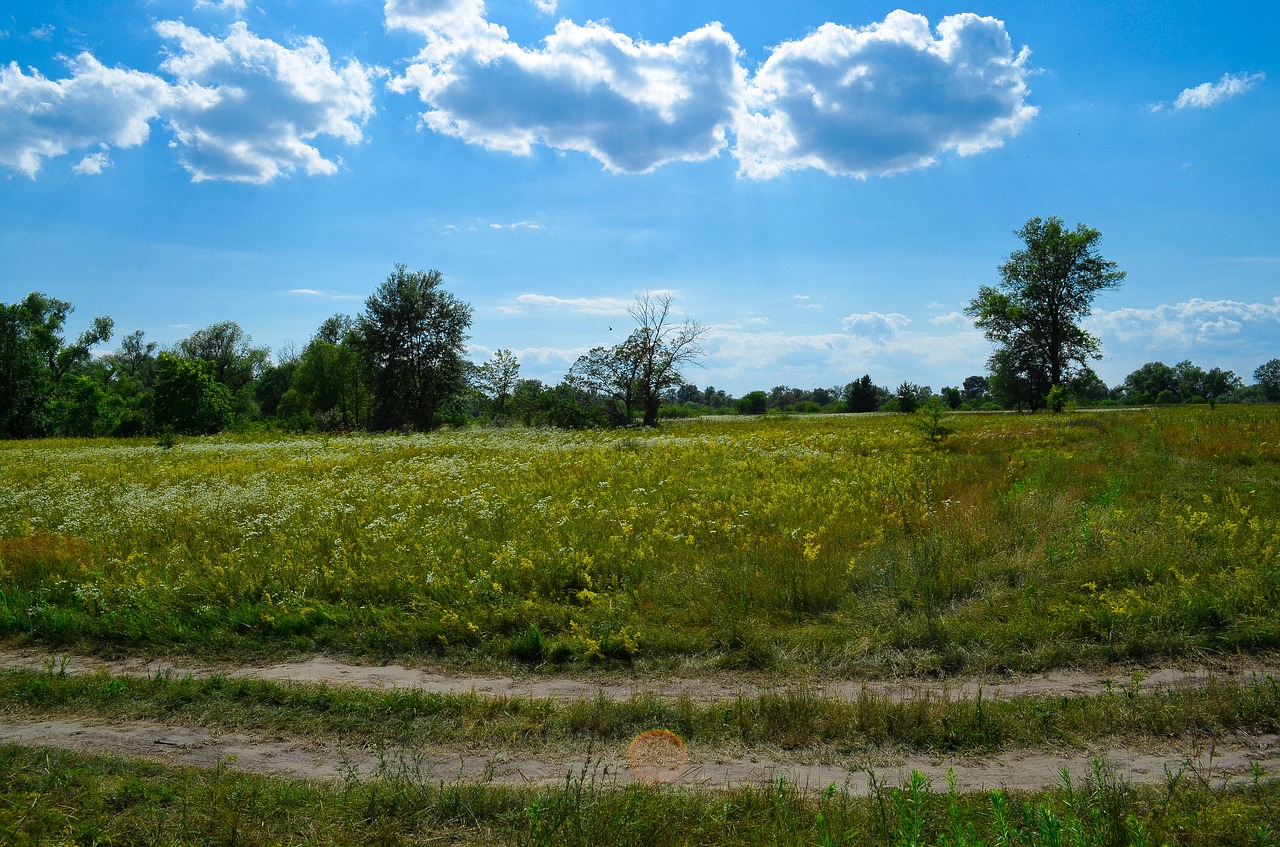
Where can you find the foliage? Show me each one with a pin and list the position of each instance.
(634, 375)
(34, 359)
(658, 348)
(862, 395)
(1033, 314)
(189, 399)
(497, 380)
(412, 334)
(1268, 376)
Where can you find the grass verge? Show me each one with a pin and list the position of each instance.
(54, 797)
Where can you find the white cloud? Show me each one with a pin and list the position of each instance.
(883, 99)
(42, 118)
(1210, 94)
(886, 98)
(952, 319)
(875, 326)
(632, 105)
(579, 305)
(1195, 321)
(547, 7)
(236, 7)
(93, 164)
(524, 225)
(250, 107)
(43, 33)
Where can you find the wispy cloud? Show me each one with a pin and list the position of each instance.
(518, 225)
(578, 305)
(236, 7)
(1209, 94)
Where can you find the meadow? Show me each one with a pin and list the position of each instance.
(850, 544)
(788, 548)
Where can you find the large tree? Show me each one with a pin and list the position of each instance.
(413, 333)
(1034, 313)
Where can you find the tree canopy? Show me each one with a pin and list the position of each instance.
(413, 332)
(1033, 314)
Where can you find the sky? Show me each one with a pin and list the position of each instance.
(824, 186)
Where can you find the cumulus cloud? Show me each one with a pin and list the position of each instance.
(240, 108)
(1194, 321)
(875, 326)
(632, 105)
(42, 118)
(886, 98)
(1210, 94)
(250, 107)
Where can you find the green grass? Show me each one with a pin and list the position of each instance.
(56, 797)
(809, 548)
(844, 544)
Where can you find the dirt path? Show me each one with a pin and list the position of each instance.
(329, 671)
(1223, 760)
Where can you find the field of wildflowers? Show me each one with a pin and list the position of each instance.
(849, 542)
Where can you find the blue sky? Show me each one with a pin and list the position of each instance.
(823, 185)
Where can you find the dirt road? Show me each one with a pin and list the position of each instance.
(1217, 760)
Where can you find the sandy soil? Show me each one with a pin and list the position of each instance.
(1218, 761)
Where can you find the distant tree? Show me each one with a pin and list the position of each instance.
(657, 348)
(496, 379)
(526, 401)
(85, 408)
(1033, 315)
(952, 397)
(189, 398)
(609, 376)
(753, 403)
(413, 332)
(1150, 381)
(688, 393)
(863, 395)
(974, 388)
(34, 358)
(225, 345)
(1268, 376)
(910, 396)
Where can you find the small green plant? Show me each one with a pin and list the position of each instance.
(932, 419)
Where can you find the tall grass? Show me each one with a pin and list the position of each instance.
(850, 543)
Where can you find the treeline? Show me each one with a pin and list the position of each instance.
(400, 365)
